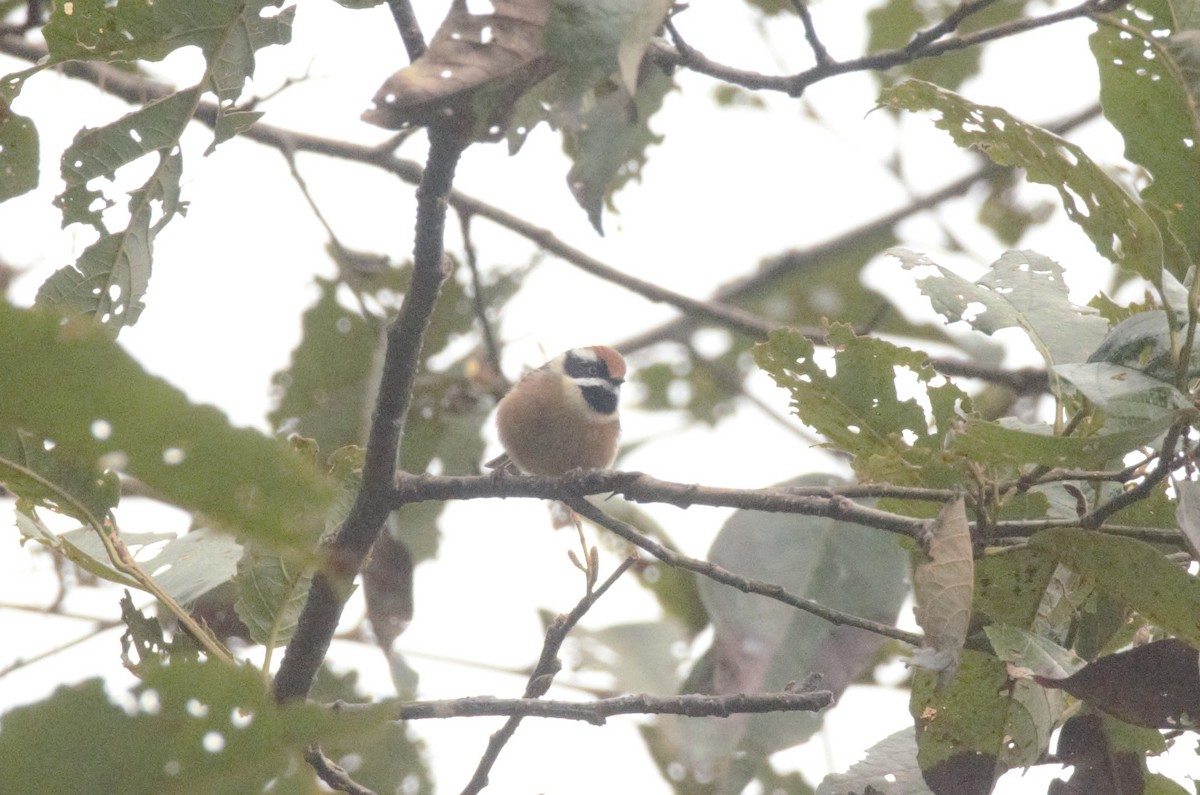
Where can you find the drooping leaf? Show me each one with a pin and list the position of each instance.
(70, 384)
(759, 645)
(1129, 397)
(1024, 290)
(1118, 227)
(944, 585)
(110, 278)
(608, 145)
(476, 67)
(1133, 572)
(1156, 685)
(388, 588)
(18, 153)
(593, 39)
(271, 592)
(1146, 60)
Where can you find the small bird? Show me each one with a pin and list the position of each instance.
(563, 415)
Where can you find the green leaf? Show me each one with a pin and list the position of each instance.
(1133, 572)
(759, 645)
(608, 145)
(962, 728)
(18, 153)
(1019, 444)
(1120, 229)
(197, 728)
(1129, 397)
(1024, 290)
(36, 472)
(857, 408)
(271, 592)
(69, 383)
(326, 389)
(1040, 655)
(1147, 89)
(594, 39)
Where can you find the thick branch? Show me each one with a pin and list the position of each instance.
(348, 548)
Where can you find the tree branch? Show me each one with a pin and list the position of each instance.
(334, 774)
(693, 705)
(718, 310)
(640, 487)
(726, 577)
(410, 29)
(345, 553)
(547, 668)
(921, 46)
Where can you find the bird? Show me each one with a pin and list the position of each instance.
(563, 415)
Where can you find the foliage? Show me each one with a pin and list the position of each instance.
(1039, 542)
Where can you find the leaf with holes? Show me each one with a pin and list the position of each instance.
(70, 383)
(1024, 290)
(1120, 229)
(858, 408)
(1149, 62)
(110, 278)
(1133, 572)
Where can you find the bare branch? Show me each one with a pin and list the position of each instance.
(547, 668)
(726, 577)
(345, 553)
(810, 33)
(640, 487)
(693, 705)
(334, 774)
(922, 46)
(410, 29)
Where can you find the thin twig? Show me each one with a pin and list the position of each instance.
(794, 85)
(810, 33)
(547, 668)
(726, 577)
(100, 628)
(478, 302)
(333, 774)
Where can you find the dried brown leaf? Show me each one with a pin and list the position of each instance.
(475, 68)
(944, 584)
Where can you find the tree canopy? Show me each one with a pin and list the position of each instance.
(1040, 516)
